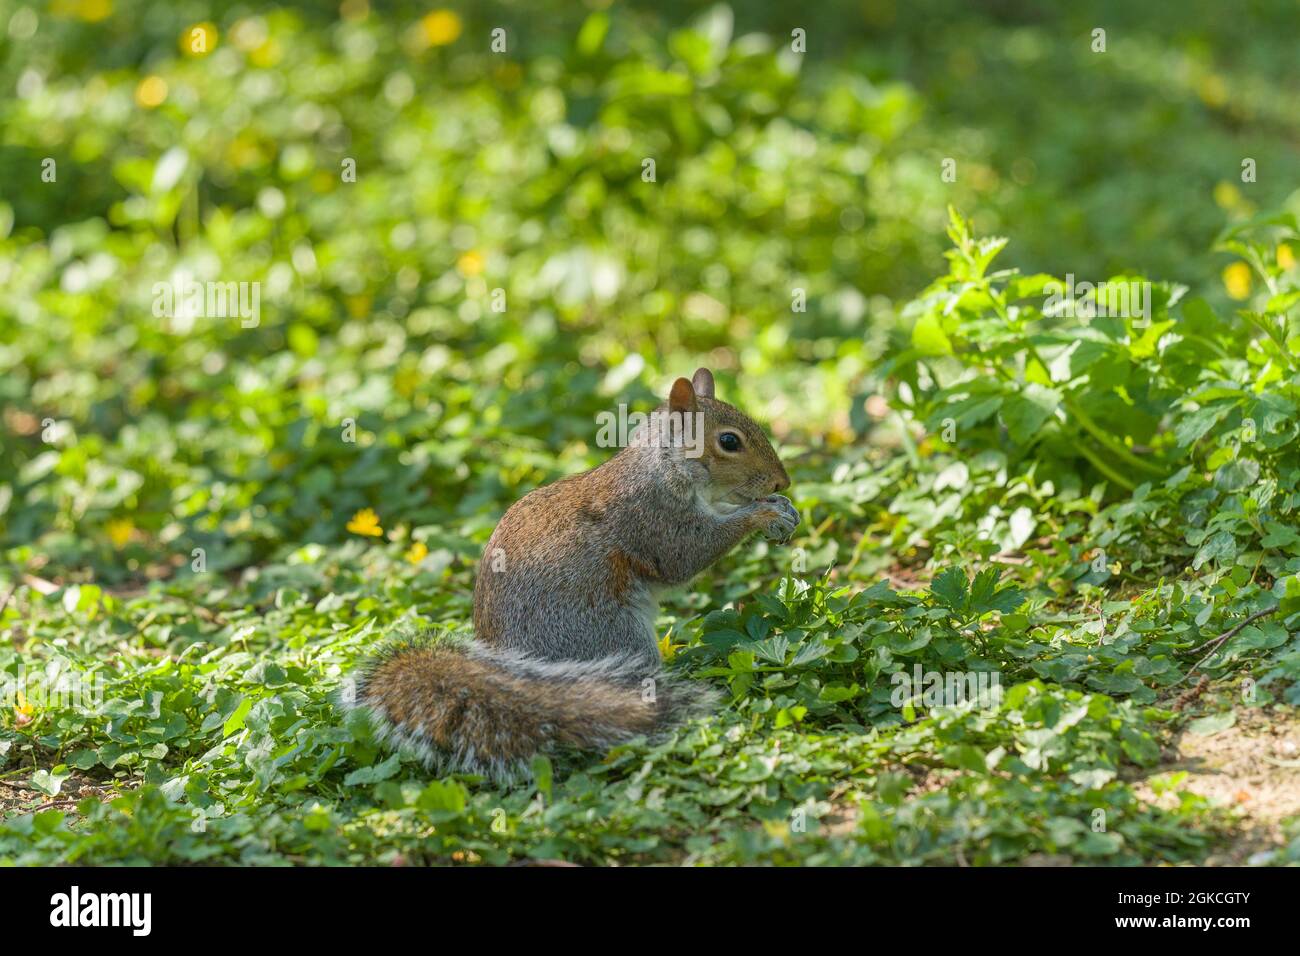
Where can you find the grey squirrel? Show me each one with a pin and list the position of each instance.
(565, 654)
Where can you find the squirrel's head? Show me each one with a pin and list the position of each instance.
(729, 457)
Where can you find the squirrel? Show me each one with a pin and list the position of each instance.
(565, 654)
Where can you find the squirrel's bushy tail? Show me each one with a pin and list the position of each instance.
(462, 706)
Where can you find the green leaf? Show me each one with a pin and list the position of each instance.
(982, 589)
(592, 34)
(1213, 724)
(374, 773)
(50, 782)
(965, 757)
(1237, 475)
(985, 595)
(543, 774)
(949, 589)
(445, 796)
(1192, 427)
(235, 721)
(1220, 546)
(1093, 778)
(928, 336)
(1026, 411)
(1021, 527)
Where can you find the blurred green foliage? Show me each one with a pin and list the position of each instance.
(522, 172)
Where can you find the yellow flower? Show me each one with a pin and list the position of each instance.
(417, 552)
(23, 710)
(1212, 90)
(92, 11)
(1226, 195)
(407, 381)
(119, 532)
(151, 92)
(199, 40)
(1236, 279)
(440, 27)
(267, 54)
(667, 649)
(1285, 257)
(366, 522)
(777, 830)
(470, 264)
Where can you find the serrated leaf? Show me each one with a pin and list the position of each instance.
(949, 588)
(1026, 411)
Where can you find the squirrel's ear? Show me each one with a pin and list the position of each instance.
(703, 382)
(682, 397)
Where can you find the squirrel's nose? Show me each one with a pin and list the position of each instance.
(780, 483)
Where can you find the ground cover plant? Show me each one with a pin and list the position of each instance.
(1043, 605)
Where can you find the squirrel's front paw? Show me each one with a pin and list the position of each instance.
(778, 517)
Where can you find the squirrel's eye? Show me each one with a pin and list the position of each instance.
(729, 441)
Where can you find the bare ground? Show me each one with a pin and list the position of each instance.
(1252, 767)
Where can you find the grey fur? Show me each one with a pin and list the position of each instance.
(565, 601)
